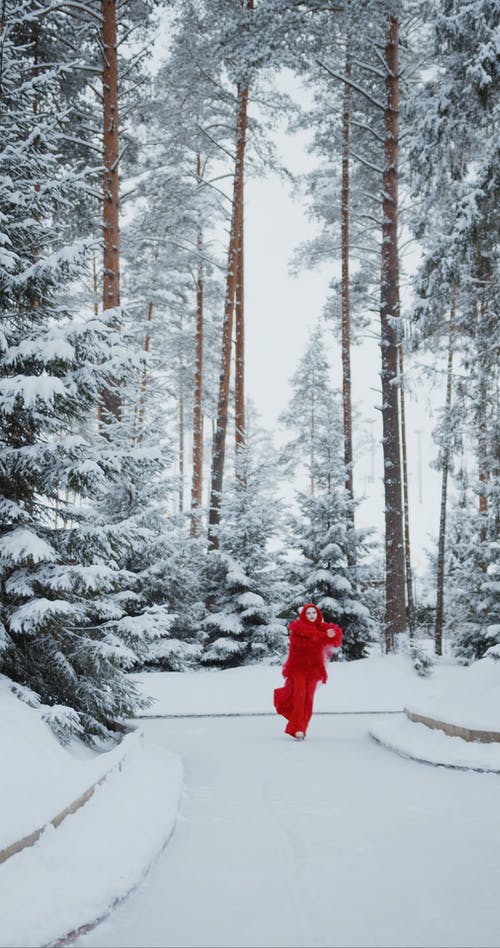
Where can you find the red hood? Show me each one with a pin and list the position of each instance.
(303, 617)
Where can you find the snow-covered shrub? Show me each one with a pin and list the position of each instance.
(494, 650)
(421, 660)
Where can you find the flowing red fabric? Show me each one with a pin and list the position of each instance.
(311, 644)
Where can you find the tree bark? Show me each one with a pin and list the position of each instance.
(395, 618)
(219, 440)
(144, 381)
(239, 374)
(110, 398)
(313, 439)
(346, 308)
(36, 70)
(95, 286)
(410, 605)
(197, 483)
(482, 433)
(438, 628)
(181, 439)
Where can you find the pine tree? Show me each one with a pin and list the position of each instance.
(65, 632)
(364, 176)
(323, 533)
(472, 600)
(454, 161)
(310, 384)
(242, 625)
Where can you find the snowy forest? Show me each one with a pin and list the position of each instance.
(144, 520)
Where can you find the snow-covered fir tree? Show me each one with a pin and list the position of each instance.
(310, 385)
(176, 577)
(453, 150)
(472, 600)
(65, 630)
(328, 547)
(243, 574)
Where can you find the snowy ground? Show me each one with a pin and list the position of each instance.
(76, 873)
(334, 841)
(379, 683)
(330, 842)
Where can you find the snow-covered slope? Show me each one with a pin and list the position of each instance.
(39, 776)
(75, 873)
(471, 699)
(378, 683)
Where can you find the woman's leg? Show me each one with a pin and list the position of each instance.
(311, 685)
(297, 721)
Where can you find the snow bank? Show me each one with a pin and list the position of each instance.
(39, 776)
(75, 874)
(378, 683)
(435, 747)
(470, 700)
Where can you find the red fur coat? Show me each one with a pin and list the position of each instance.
(311, 644)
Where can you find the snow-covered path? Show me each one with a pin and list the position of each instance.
(329, 842)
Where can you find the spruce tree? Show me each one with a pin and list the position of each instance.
(472, 603)
(242, 625)
(330, 550)
(453, 152)
(65, 633)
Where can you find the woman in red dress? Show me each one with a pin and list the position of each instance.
(312, 643)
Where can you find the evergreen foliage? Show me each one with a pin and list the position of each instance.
(421, 661)
(472, 595)
(453, 151)
(66, 631)
(323, 533)
(98, 573)
(242, 624)
(174, 580)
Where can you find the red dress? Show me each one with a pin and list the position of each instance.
(311, 644)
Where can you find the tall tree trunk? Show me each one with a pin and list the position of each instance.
(482, 402)
(239, 374)
(95, 286)
(313, 439)
(395, 618)
(110, 399)
(219, 440)
(197, 483)
(346, 308)
(232, 277)
(36, 70)
(144, 381)
(410, 605)
(181, 439)
(438, 628)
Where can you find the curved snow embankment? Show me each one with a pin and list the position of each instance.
(454, 730)
(42, 781)
(471, 703)
(458, 726)
(112, 761)
(73, 876)
(419, 742)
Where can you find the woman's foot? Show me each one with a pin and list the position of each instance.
(299, 735)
